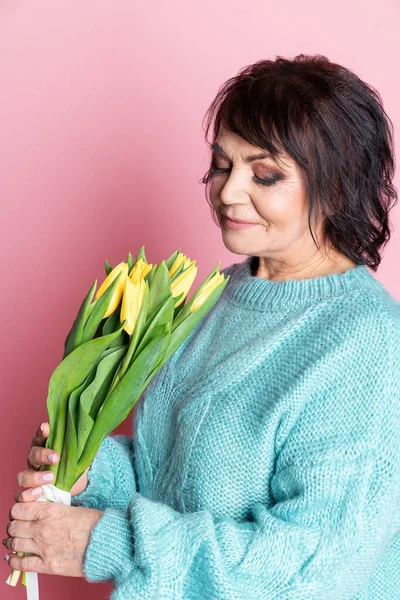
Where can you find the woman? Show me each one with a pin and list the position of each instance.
(265, 459)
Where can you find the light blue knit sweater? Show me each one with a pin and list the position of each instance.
(265, 459)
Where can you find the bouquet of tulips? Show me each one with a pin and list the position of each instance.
(117, 343)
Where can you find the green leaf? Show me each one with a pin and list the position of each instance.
(67, 376)
(141, 254)
(164, 316)
(85, 425)
(73, 401)
(131, 263)
(180, 308)
(150, 274)
(93, 396)
(124, 396)
(181, 331)
(121, 340)
(110, 325)
(170, 261)
(111, 322)
(163, 349)
(160, 289)
(66, 474)
(99, 311)
(108, 267)
(65, 464)
(74, 337)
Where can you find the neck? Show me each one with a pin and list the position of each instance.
(264, 294)
(316, 265)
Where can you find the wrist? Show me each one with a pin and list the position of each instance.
(80, 485)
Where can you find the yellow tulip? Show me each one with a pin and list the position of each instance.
(206, 291)
(132, 301)
(183, 282)
(140, 270)
(119, 288)
(181, 258)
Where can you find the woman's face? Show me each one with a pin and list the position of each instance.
(259, 191)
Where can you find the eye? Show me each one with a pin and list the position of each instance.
(269, 180)
(214, 170)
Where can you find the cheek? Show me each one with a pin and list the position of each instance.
(283, 204)
(214, 192)
(214, 198)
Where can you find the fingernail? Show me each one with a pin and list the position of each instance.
(52, 457)
(6, 557)
(43, 425)
(36, 491)
(47, 476)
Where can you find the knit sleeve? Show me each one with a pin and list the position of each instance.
(111, 477)
(336, 489)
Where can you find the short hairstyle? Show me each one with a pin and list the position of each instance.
(334, 125)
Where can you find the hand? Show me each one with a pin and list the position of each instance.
(39, 455)
(57, 534)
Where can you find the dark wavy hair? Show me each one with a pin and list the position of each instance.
(334, 125)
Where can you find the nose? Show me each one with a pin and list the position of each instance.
(233, 190)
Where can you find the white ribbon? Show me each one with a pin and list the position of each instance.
(52, 494)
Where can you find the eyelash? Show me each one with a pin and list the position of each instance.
(270, 181)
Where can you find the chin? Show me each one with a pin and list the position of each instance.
(235, 247)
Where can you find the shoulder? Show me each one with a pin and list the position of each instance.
(369, 315)
(353, 401)
(363, 352)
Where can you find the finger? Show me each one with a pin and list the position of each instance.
(41, 435)
(31, 479)
(20, 529)
(41, 456)
(16, 544)
(28, 495)
(26, 563)
(33, 511)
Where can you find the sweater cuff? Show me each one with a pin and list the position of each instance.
(100, 481)
(110, 547)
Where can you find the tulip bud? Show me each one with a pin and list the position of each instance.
(181, 258)
(183, 282)
(119, 288)
(132, 301)
(140, 270)
(207, 291)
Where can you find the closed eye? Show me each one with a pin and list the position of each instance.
(267, 181)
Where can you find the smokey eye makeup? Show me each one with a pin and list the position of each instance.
(269, 178)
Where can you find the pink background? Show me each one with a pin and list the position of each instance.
(101, 151)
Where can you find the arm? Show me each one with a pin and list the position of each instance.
(111, 477)
(336, 489)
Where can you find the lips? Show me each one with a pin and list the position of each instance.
(238, 220)
(227, 223)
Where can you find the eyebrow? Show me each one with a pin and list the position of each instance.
(248, 159)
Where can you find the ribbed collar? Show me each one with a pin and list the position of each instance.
(258, 293)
